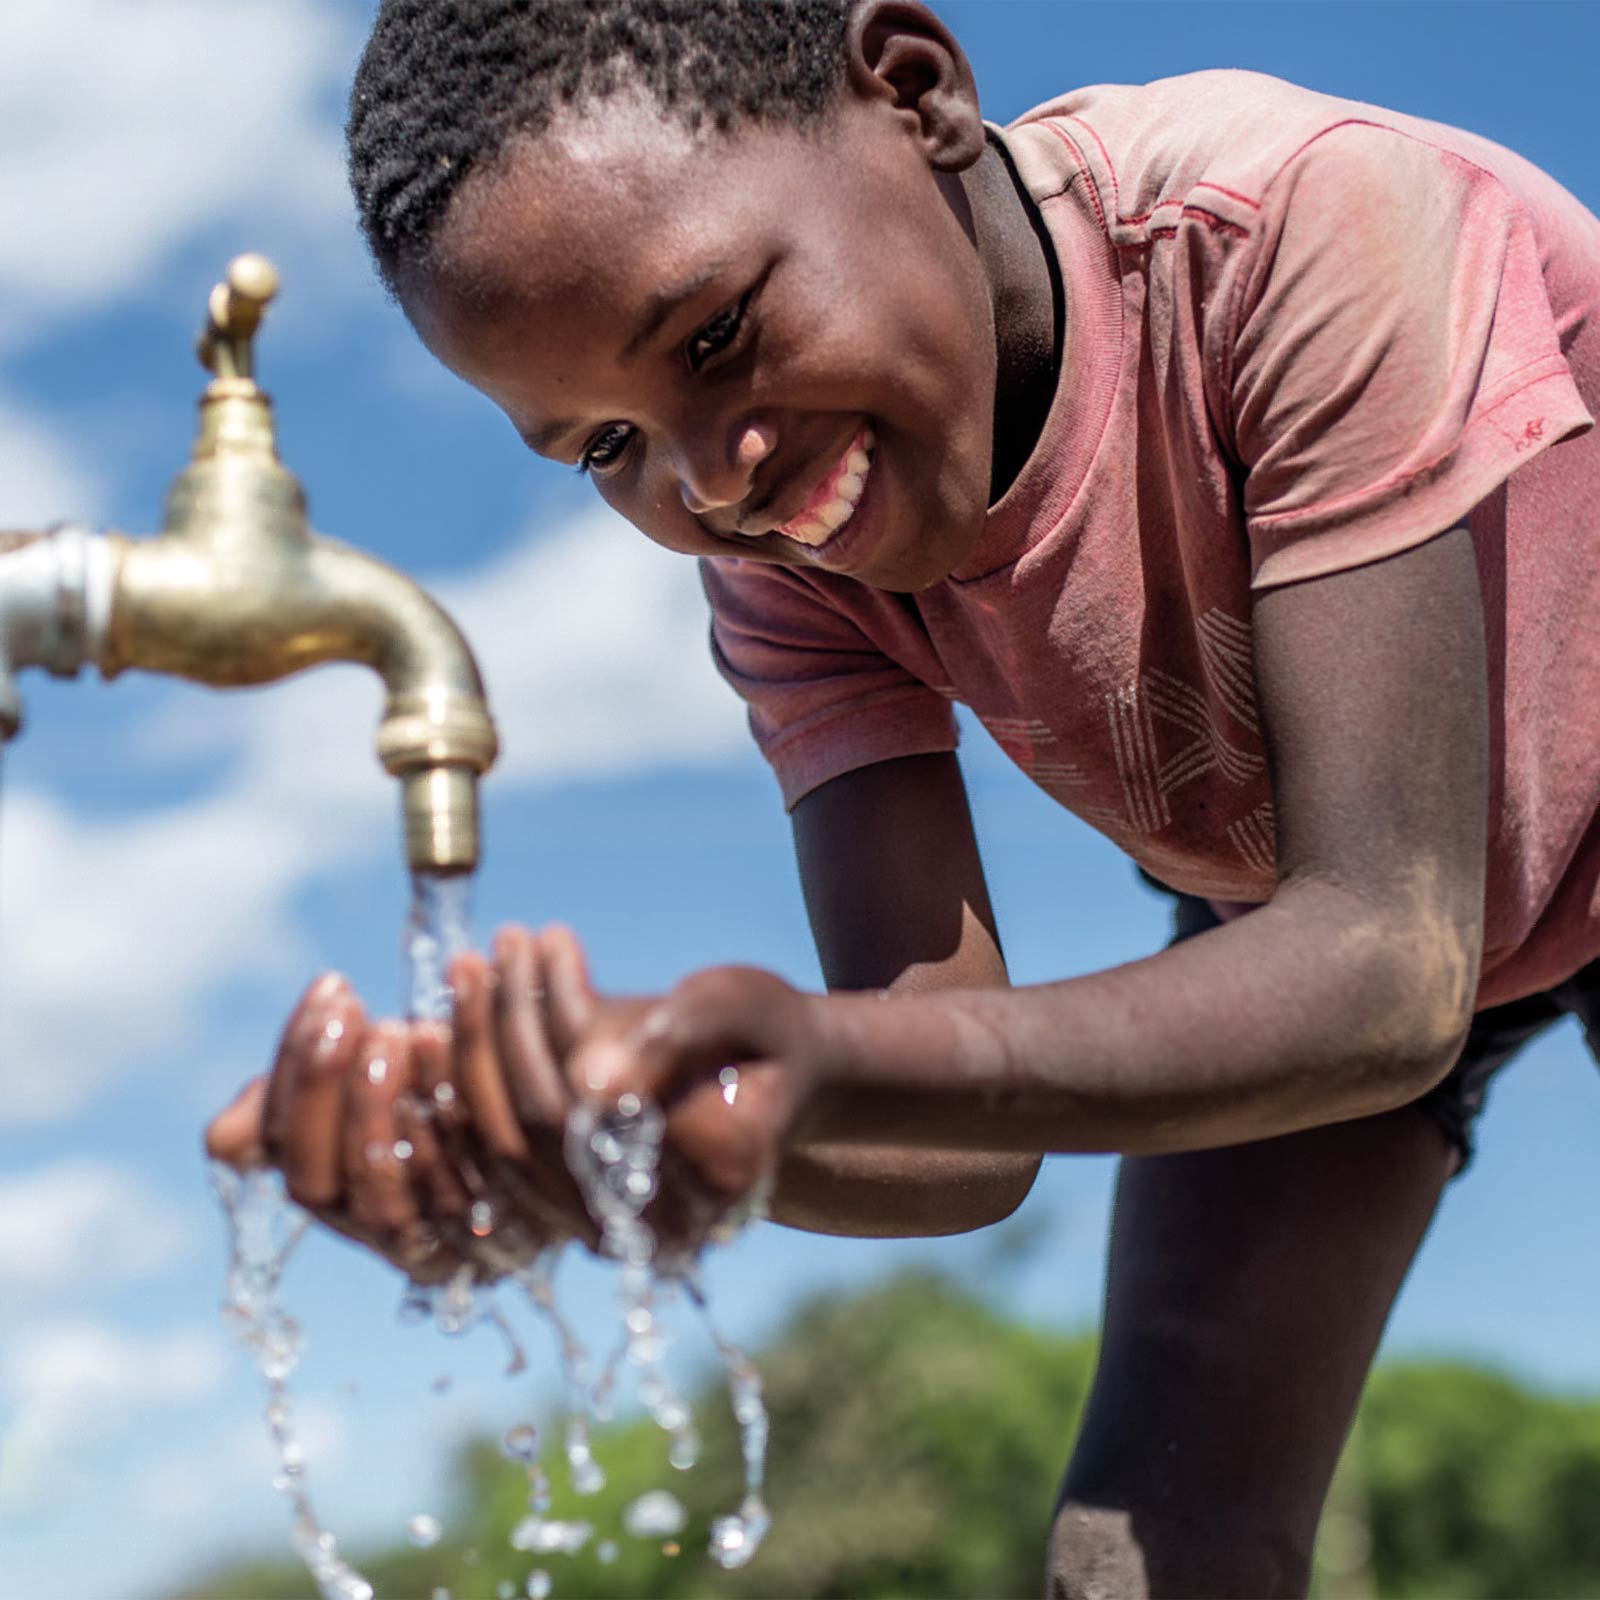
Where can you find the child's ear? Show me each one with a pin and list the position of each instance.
(900, 52)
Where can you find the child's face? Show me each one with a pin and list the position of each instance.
(717, 324)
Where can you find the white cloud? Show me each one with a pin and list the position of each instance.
(83, 1223)
(130, 128)
(42, 477)
(131, 922)
(593, 644)
(70, 1382)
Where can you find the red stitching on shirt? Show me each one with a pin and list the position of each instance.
(1189, 209)
(1188, 206)
(1232, 194)
(1083, 167)
(1116, 198)
(1199, 213)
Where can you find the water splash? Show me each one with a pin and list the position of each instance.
(615, 1158)
(737, 1536)
(535, 1280)
(263, 1230)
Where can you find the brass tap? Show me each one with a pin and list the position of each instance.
(237, 590)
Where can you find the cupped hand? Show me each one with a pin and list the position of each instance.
(339, 1116)
(436, 1147)
(732, 1056)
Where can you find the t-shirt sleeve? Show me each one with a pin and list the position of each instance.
(1394, 355)
(824, 699)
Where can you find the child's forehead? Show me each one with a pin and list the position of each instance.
(628, 127)
(622, 189)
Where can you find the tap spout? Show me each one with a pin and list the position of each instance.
(237, 590)
(229, 605)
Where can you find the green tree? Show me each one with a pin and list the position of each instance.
(917, 1438)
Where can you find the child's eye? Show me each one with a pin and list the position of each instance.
(716, 336)
(606, 448)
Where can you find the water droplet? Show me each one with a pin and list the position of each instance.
(629, 1105)
(377, 1070)
(423, 1530)
(587, 1477)
(606, 1551)
(538, 1585)
(403, 1150)
(638, 1319)
(444, 1096)
(375, 1153)
(416, 1304)
(656, 1514)
(736, 1538)
(545, 1538)
(505, 1591)
(639, 1184)
(645, 1350)
(729, 1079)
(521, 1443)
(481, 1216)
(684, 1450)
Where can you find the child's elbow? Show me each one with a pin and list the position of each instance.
(1421, 1013)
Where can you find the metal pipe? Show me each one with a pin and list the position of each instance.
(237, 590)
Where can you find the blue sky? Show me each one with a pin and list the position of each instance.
(175, 864)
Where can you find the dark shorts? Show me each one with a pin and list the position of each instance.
(1496, 1035)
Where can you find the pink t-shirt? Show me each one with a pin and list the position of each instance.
(1301, 334)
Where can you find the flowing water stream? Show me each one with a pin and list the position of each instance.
(615, 1159)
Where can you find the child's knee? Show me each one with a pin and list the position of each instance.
(1093, 1556)
(1102, 1551)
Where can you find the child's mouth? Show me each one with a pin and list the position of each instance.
(835, 499)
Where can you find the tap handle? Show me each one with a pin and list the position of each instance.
(235, 310)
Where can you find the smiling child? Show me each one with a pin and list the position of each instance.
(1227, 449)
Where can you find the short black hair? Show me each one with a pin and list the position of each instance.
(444, 85)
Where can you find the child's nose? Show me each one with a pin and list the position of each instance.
(715, 480)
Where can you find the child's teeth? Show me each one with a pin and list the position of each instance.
(829, 517)
(835, 514)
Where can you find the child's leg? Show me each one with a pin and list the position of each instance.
(1246, 1293)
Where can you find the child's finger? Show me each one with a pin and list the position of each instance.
(304, 1117)
(234, 1134)
(571, 1001)
(538, 1182)
(532, 1075)
(424, 1119)
(323, 1003)
(477, 1060)
(378, 1194)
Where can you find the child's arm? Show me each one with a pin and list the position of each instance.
(895, 889)
(1346, 995)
